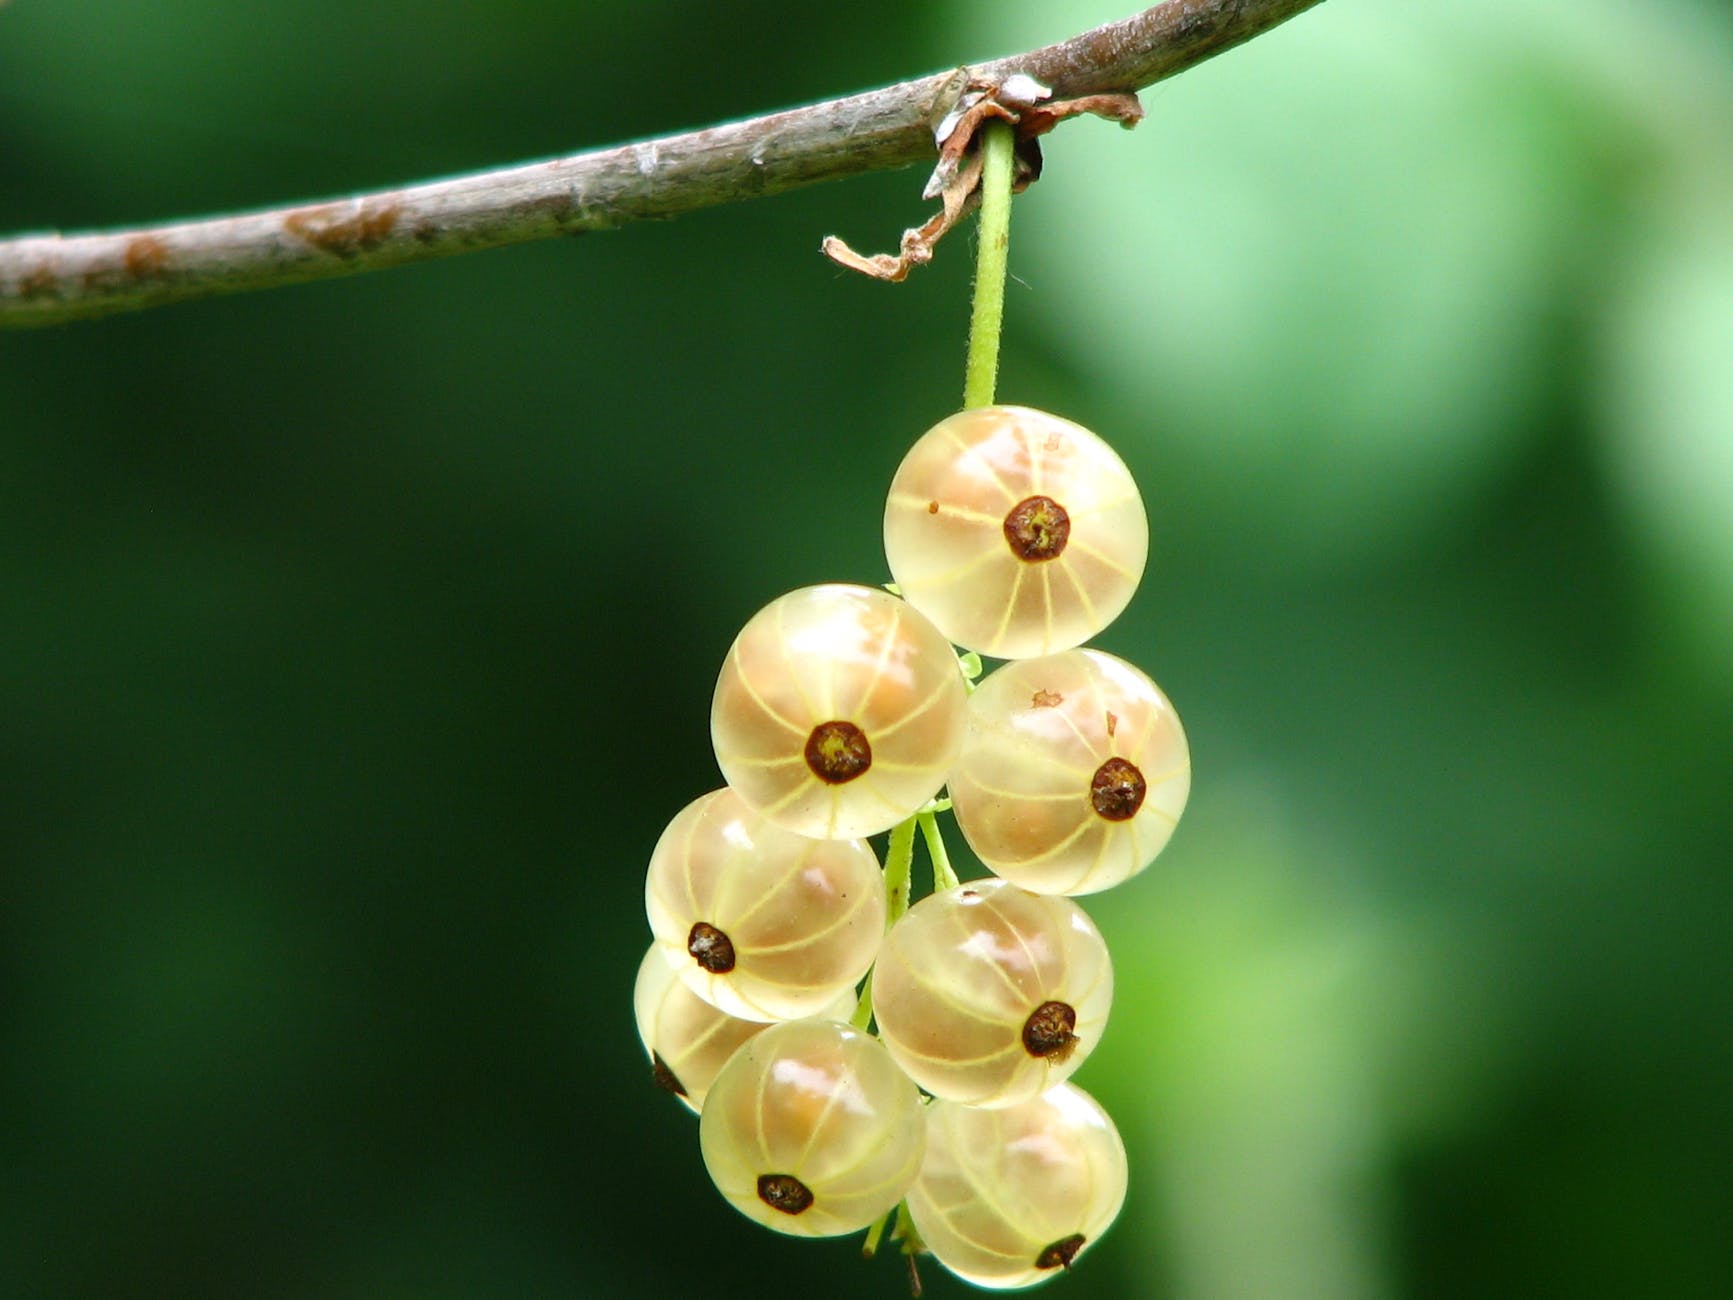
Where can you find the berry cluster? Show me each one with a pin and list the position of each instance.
(843, 711)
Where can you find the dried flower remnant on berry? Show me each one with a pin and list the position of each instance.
(710, 948)
(1061, 1253)
(784, 1192)
(1116, 790)
(838, 752)
(665, 1078)
(1037, 528)
(1047, 1032)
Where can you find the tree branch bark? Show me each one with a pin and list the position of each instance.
(53, 278)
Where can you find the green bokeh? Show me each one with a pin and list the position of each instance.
(356, 642)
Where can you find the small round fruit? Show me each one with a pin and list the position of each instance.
(812, 1130)
(1073, 774)
(687, 1039)
(838, 711)
(1017, 532)
(1008, 1198)
(989, 995)
(760, 922)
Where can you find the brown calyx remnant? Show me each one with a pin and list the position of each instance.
(1037, 528)
(1046, 700)
(956, 181)
(334, 229)
(1061, 1253)
(1047, 1033)
(932, 507)
(784, 1192)
(710, 948)
(1116, 790)
(838, 752)
(665, 1078)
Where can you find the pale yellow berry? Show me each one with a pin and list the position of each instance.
(838, 711)
(1017, 532)
(988, 995)
(1008, 1198)
(687, 1039)
(760, 922)
(1073, 774)
(812, 1130)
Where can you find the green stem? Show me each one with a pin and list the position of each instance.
(982, 373)
(906, 1231)
(863, 1010)
(899, 865)
(870, 1247)
(944, 877)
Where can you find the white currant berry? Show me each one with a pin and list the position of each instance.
(687, 1039)
(758, 921)
(988, 995)
(1073, 774)
(1017, 532)
(812, 1130)
(838, 711)
(1008, 1198)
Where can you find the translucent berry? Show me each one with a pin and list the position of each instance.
(1073, 774)
(1018, 533)
(989, 995)
(812, 1130)
(758, 921)
(1010, 1197)
(687, 1039)
(838, 711)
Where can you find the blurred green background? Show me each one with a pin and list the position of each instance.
(356, 641)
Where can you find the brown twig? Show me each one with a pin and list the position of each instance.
(51, 278)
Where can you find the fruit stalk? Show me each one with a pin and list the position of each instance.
(944, 876)
(899, 867)
(981, 375)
